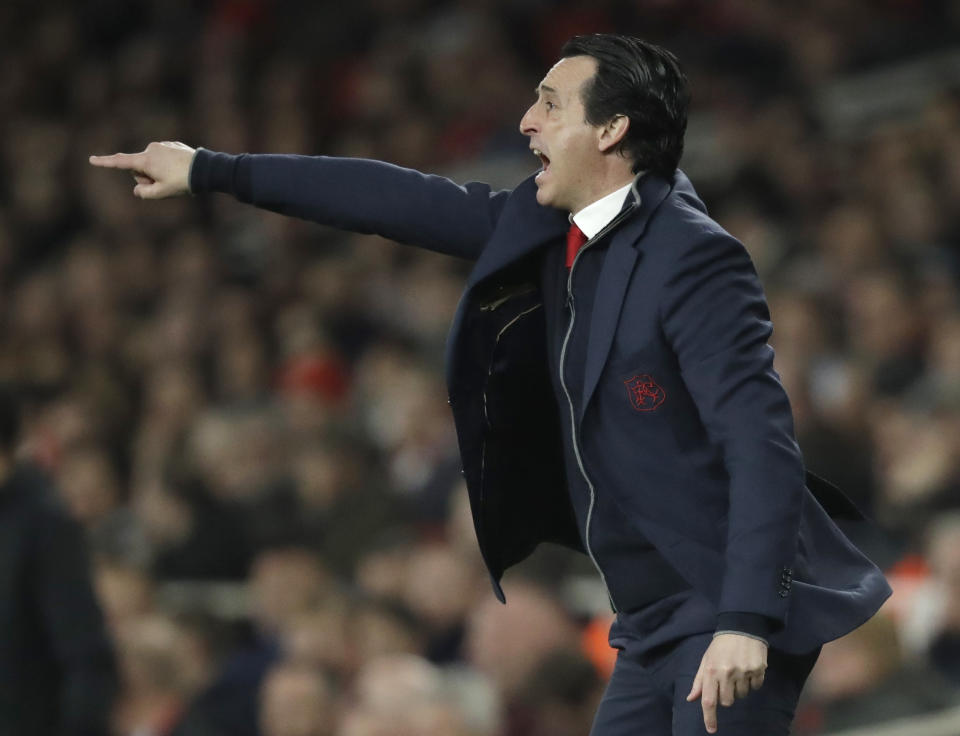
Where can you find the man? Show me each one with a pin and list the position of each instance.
(612, 388)
(57, 673)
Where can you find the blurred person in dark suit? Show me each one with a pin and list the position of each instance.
(612, 387)
(57, 670)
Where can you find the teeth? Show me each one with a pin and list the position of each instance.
(537, 152)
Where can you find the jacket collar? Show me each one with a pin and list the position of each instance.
(523, 228)
(649, 191)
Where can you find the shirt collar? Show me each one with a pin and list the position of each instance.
(594, 217)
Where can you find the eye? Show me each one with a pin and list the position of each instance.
(549, 105)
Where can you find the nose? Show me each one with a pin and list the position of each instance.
(528, 123)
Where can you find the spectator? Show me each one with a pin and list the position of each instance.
(91, 491)
(862, 679)
(163, 669)
(285, 583)
(381, 627)
(441, 590)
(561, 695)
(507, 643)
(933, 622)
(321, 639)
(404, 695)
(125, 593)
(296, 701)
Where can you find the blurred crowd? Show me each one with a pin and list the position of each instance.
(224, 396)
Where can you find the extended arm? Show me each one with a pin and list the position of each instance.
(352, 194)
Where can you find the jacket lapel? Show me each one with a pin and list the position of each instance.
(615, 276)
(521, 229)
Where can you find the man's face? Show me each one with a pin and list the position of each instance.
(568, 146)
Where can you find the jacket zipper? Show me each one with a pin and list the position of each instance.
(573, 418)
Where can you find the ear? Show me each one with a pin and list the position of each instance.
(612, 132)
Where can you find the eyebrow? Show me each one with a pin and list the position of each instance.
(543, 88)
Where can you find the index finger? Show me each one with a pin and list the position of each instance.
(708, 702)
(126, 161)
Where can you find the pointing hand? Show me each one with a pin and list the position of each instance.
(161, 170)
(732, 666)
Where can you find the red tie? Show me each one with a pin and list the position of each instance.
(575, 241)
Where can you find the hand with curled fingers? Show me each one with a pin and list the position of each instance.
(160, 170)
(732, 666)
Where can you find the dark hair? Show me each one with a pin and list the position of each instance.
(643, 82)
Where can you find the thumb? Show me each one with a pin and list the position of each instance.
(149, 190)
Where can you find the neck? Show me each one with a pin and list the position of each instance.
(610, 185)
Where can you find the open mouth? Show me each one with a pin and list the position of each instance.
(544, 159)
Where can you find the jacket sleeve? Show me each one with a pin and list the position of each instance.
(715, 317)
(359, 195)
(74, 625)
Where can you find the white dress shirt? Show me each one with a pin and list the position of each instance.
(594, 217)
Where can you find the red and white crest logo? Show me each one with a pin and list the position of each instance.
(645, 394)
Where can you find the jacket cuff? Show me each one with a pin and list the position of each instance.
(754, 625)
(219, 172)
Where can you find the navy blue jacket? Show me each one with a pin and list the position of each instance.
(57, 669)
(683, 418)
